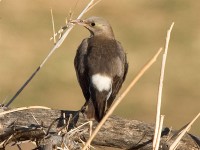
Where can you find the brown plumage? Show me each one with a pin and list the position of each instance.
(100, 65)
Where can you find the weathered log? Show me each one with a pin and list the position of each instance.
(43, 125)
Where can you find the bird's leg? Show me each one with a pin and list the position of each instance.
(83, 108)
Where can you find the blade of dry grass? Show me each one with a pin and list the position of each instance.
(80, 126)
(186, 129)
(160, 88)
(37, 122)
(53, 26)
(93, 5)
(177, 133)
(120, 98)
(57, 45)
(159, 132)
(23, 108)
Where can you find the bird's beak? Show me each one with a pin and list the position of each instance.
(79, 22)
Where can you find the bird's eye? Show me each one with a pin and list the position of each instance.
(92, 24)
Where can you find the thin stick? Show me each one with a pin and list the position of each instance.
(23, 108)
(38, 123)
(54, 33)
(161, 87)
(159, 132)
(93, 5)
(177, 141)
(120, 98)
(77, 128)
(58, 44)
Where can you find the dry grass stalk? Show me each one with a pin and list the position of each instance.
(23, 108)
(93, 5)
(54, 34)
(186, 129)
(79, 130)
(38, 123)
(79, 127)
(57, 45)
(120, 98)
(157, 126)
(159, 132)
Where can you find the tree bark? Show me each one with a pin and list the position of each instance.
(50, 128)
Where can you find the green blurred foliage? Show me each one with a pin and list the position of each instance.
(140, 25)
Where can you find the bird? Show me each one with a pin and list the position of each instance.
(101, 66)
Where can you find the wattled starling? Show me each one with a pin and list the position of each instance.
(101, 66)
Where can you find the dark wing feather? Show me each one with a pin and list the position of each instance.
(81, 69)
(123, 58)
(118, 80)
(125, 68)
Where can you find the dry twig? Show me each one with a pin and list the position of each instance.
(159, 132)
(54, 34)
(22, 108)
(156, 135)
(186, 129)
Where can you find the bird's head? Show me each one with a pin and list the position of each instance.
(97, 26)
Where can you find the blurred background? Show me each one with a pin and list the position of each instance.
(140, 25)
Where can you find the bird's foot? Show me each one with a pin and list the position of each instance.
(83, 109)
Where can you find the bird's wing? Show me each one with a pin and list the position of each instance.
(118, 80)
(125, 68)
(123, 58)
(81, 70)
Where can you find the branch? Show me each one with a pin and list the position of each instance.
(18, 126)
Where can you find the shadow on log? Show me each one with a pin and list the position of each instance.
(59, 128)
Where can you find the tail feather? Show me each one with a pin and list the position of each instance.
(91, 110)
(100, 109)
(96, 110)
(97, 104)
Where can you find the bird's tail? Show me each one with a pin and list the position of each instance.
(97, 105)
(90, 110)
(100, 109)
(96, 110)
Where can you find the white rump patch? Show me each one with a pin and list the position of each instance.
(101, 82)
